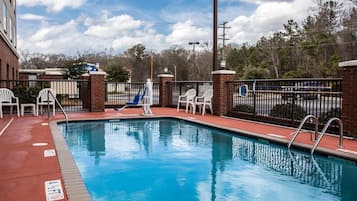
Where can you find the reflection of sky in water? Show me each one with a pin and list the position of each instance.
(174, 160)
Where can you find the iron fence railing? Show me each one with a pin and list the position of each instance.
(119, 93)
(285, 101)
(72, 94)
(180, 87)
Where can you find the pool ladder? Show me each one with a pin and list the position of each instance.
(59, 104)
(318, 136)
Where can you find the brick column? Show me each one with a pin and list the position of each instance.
(349, 96)
(85, 91)
(97, 90)
(219, 102)
(165, 89)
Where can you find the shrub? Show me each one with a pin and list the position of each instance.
(243, 108)
(26, 94)
(289, 111)
(325, 116)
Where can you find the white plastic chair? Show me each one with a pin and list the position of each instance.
(203, 101)
(7, 98)
(187, 98)
(44, 98)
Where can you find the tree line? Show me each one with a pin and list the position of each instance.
(310, 49)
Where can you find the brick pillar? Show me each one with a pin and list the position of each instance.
(165, 89)
(97, 90)
(85, 91)
(219, 102)
(349, 96)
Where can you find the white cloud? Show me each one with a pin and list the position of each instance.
(109, 27)
(52, 5)
(69, 39)
(269, 17)
(33, 17)
(120, 32)
(183, 32)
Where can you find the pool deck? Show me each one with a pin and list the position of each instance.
(24, 169)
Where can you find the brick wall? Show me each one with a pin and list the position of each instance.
(349, 97)
(9, 62)
(97, 89)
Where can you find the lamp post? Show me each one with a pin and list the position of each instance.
(193, 45)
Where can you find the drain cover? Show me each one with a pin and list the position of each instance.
(39, 144)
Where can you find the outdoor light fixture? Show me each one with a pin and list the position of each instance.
(223, 64)
(166, 70)
(194, 43)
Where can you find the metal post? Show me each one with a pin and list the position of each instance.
(215, 26)
(48, 105)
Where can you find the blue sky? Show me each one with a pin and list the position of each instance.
(72, 26)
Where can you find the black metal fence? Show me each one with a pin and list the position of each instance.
(70, 93)
(119, 93)
(285, 101)
(180, 87)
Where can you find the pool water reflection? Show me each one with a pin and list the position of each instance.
(169, 159)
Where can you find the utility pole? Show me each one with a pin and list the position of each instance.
(224, 38)
(215, 16)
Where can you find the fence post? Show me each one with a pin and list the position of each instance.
(97, 91)
(220, 91)
(165, 89)
(349, 96)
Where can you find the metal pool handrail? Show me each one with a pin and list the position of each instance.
(59, 104)
(297, 131)
(324, 131)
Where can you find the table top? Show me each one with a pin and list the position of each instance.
(27, 104)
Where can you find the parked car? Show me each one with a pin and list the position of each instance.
(309, 90)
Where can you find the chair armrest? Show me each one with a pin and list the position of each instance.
(198, 98)
(182, 96)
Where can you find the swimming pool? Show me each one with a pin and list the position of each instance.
(170, 159)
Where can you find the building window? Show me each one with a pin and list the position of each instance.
(13, 73)
(10, 28)
(14, 36)
(7, 72)
(4, 15)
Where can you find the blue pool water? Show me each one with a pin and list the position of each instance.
(169, 160)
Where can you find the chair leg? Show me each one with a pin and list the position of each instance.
(187, 103)
(178, 106)
(1, 112)
(203, 109)
(54, 110)
(18, 111)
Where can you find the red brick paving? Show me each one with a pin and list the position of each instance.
(23, 169)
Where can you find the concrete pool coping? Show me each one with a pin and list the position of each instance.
(74, 183)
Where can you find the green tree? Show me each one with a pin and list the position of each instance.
(73, 68)
(116, 72)
(139, 62)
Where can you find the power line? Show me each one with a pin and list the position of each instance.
(224, 38)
